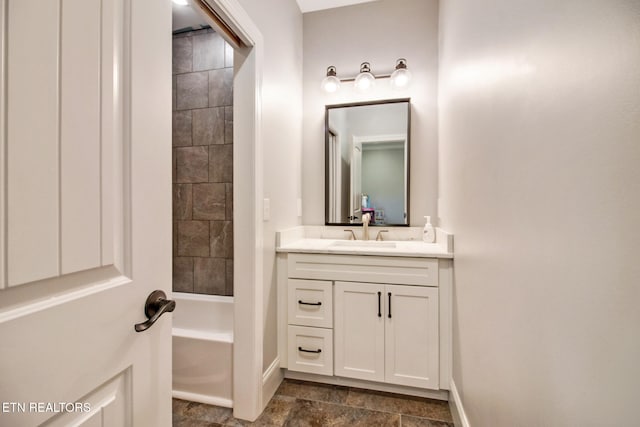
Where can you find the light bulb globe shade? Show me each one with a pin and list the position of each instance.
(330, 84)
(180, 2)
(400, 78)
(364, 81)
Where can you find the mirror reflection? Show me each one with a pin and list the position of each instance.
(367, 162)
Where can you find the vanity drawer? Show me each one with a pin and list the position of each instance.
(310, 303)
(310, 350)
(364, 268)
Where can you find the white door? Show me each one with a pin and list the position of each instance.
(86, 202)
(356, 182)
(359, 330)
(411, 334)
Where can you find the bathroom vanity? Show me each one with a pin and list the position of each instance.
(373, 314)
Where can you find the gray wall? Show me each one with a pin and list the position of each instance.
(379, 32)
(202, 164)
(540, 183)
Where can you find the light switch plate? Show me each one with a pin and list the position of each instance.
(299, 206)
(266, 209)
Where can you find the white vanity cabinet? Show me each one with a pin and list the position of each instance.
(310, 326)
(359, 332)
(367, 318)
(387, 333)
(411, 336)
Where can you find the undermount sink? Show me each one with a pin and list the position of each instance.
(363, 244)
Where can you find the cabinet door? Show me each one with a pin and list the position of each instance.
(359, 330)
(411, 333)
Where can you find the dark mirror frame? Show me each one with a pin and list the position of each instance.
(326, 157)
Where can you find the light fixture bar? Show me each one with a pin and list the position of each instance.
(353, 79)
(399, 77)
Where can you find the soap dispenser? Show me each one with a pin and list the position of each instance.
(428, 234)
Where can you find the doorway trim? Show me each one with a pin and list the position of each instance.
(247, 213)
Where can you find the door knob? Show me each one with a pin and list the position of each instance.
(156, 305)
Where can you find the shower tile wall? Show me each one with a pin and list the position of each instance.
(202, 163)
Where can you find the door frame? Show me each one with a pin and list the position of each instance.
(247, 214)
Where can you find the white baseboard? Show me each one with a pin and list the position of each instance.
(271, 379)
(203, 398)
(457, 410)
(369, 385)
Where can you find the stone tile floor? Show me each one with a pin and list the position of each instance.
(300, 403)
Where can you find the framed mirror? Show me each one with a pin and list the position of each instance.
(367, 162)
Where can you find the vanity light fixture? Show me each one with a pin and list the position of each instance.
(401, 76)
(331, 83)
(366, 79)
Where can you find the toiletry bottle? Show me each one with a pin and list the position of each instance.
(428, 234)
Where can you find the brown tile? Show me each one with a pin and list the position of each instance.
(190, 422)
(221, 163)
(173, 93)
(229, 277)
(178, 420)
(276, 412)
(173, 165)
(228, 125)
(192, 90)
(311, 413)
(220, 87)
(178, 406)
(209, 276)
(313, 391)
(181, 128)
(183, 274)
(229, 201)
(208, 413)
(175, 238)
(400, 404)
(409, 421)
(182, 201)
(193, 238)
(208, 126)
(221, 236)
(192, 164)
(209, 201)
(208, 51)
(182, 55)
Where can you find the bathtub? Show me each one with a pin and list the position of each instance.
(203, 348)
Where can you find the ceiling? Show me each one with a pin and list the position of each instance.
(313, 5)
(187, 16)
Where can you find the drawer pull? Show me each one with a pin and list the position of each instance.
(304, 350)
(389, 304)
(309, 303)
(379, 304)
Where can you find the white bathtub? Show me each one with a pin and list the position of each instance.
(203, 348)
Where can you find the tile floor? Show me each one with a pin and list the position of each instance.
(299, 403)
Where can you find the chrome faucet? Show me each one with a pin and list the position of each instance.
(352, 236)
(366, 218)
(379, 236)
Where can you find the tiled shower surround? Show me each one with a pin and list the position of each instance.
(202, 163)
